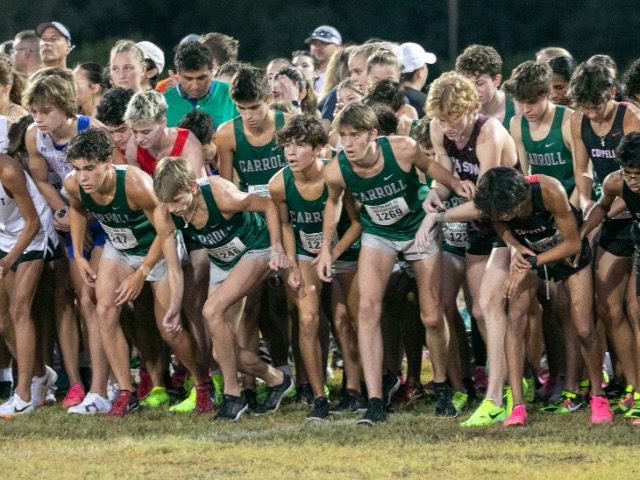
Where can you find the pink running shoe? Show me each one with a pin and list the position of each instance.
(518, 417)
(74, 396)
(600, 411)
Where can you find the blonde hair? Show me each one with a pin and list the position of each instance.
(383, 56)
(172, 176)
(451, 96)
(128, 46)
(149, 106)
(51, 86)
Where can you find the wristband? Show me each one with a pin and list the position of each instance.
(273, 255)
(441, 217)
(533, 261)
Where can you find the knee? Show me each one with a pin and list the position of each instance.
(309, 324)
(586, 333)
(433, 319)
(107, 316)
(369, 309)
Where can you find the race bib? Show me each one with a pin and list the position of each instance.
(228, 252)
(455, 233)
(121, 238)
(262, 190)
(544, 244)
(388, 213)
(311, 242)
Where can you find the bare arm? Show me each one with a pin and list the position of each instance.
(192, 153)
(78, 230)
(278, 195)
(352, 234)
(39, 169)
(332, 210)
(584, 181)
(515, 127)
(226, 142)
(611, 189)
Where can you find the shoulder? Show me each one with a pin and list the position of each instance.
(552, 189)
(402, 145)
(226, 129)
(613, 183)
(576, 117)
(277, 184)
(631, 118)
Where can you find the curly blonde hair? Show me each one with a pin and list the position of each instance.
(451, 96)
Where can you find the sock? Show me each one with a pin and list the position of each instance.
(6, 375)
(285, 369)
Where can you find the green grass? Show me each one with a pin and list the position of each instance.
(412, 444)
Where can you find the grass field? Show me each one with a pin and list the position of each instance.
(413, 444)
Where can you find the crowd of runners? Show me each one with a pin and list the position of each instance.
(228, 227)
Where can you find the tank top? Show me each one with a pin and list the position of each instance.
(509, 112)
(4, 134)
(225, 240)
(455, 236)
(12, 223)
(306, 219)
(391, 200)
(127, 230)
(148, 162)
(56, 155)
(602, 149)
(539, 231)
(550, 156)
(465, 160)
(256, 165)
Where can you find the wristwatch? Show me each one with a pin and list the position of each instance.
(295, 103)
(533, 261)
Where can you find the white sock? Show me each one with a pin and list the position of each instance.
(6, 375)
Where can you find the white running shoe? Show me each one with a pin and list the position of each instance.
(15, 406)
(113, 391)
(40, 386)
(92, 403)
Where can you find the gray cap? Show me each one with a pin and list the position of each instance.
(326, 34)
(57, 25)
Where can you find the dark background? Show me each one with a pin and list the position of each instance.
(270, 28)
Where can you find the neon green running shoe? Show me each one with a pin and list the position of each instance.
(585, 388)
(507, 400)
(188, 405)
(624, 403)
(157, 396)
(486, 414)
(218, 388)
(567, 403)
(634, 411)
(460, 401)
(529, 389)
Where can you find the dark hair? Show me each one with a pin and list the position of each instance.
(17, 131)
(386, 92)
(92, 145)
(303, 129)
(95, 74)
(200, 123)
(631, 80)
(192, 56)
(563, 66)
(306, 53)
(248, 85)
(111, 108)
(628, 152)
(501, 191)
(9, 76)
(529, 81)
(591, 83)
(421, 133)
(387, 120)
(309, 103)
(479, 60)
(229, 69)
(223, 47)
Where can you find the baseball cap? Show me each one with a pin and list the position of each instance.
(325, 34)
(415, 57)
(152, 52)
(64, 31)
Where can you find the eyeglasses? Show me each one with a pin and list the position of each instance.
(630, 178)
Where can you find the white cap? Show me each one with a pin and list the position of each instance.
(415, 57)
(152, 52)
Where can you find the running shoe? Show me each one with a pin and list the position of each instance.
(15, 406)
(91, 404)
(275, 395)
(252, 398)
(204, 402)
(218, 387)
(352, 402)
(156, 398)
(145, 384)
(567, 403)
(634, 411)
(444, 402)
(600, 411)
(304, 393)
(6, 389)
(320, 409)
(624, 403)
(126, 403)
(486, 414)
(529, 392)
(74, 396)
(232, 408)
(636, 422)
(557, 390)
(41, 385)
(390, 385)
(507, 399)
(188, 405)
(375, 413)
(518, 417)
(407, 393)
(113, 390)
(460, 401)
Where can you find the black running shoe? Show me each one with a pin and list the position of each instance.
(350, 403)
(320, 409)
(232, 408)
(375, 413)
(390, 385)
(275, 395)
(305, 394)
(252, 398)
(444, 402)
